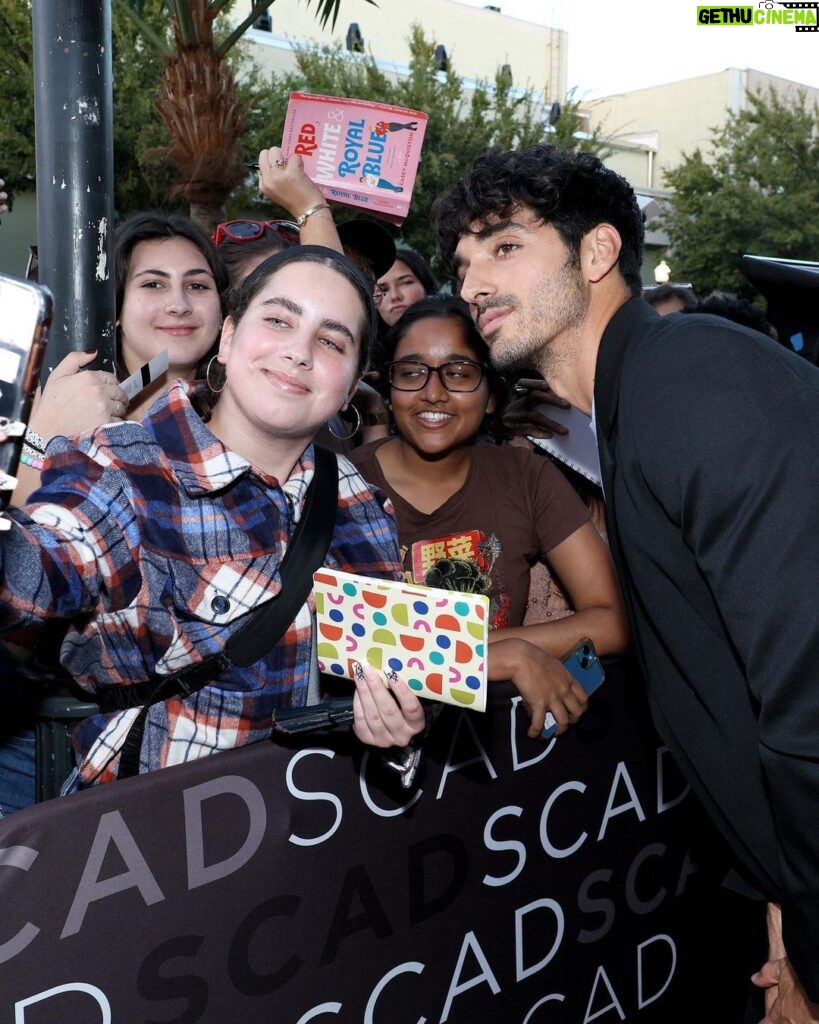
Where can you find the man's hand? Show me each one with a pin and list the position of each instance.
(786, 1001)
(524, 413)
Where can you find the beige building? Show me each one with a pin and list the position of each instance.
(663, 122)
(652, 128)
(478, 40)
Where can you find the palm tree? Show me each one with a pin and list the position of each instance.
(197, 100)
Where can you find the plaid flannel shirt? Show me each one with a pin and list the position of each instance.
(155, 542)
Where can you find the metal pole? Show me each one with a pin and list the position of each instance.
(73, 111)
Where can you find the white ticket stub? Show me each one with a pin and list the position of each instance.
(145, 375)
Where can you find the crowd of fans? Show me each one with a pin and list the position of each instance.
(148, 529)
(425, 420)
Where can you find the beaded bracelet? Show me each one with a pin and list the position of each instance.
(31, 460)
(36, 442)
(33, 453)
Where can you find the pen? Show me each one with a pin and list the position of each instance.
(252, 167)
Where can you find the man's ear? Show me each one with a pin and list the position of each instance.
(226, 339)
(600, 251)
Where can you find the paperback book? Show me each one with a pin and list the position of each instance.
(359, 153)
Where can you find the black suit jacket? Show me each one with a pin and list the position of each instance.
(709, 446)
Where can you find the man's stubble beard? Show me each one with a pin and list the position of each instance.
(558, 310)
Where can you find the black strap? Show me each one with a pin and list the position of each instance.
(265, 627)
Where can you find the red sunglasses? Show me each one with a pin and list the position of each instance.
(249, 230)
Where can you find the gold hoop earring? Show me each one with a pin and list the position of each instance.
(216, 391)
(355, 429)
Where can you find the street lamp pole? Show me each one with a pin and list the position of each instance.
(73, 109)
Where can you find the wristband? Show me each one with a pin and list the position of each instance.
(376, 419)
(309, 213)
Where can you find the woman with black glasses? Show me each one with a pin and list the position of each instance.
(473, 515)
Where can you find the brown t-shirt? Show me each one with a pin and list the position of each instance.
(512, 510)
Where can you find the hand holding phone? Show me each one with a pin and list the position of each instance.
(25, 316)
(584, 665)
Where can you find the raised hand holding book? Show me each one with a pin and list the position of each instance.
(357, 152)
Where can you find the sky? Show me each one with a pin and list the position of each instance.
(616, 48)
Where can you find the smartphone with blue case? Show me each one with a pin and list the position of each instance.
(584, 665)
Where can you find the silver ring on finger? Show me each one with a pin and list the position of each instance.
(280, 163)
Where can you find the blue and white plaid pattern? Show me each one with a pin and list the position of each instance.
(155, 541)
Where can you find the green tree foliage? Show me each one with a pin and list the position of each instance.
(197, 99)
(143, 44)
(191, 20)
(136, 70)
(145, 176)
(463, 121)
(142, 181)
(756, 192)
(17, 107)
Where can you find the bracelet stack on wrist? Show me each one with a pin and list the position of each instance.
(33, 450)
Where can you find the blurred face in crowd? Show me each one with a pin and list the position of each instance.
(667, 306)
(397, 290)
(170, 302)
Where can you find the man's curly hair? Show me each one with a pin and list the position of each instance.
(572, 191)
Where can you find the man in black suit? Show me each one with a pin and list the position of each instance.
(709, 443)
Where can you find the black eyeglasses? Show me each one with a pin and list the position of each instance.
(459, 375)
(250, 230)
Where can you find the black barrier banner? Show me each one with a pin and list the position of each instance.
(519, 883)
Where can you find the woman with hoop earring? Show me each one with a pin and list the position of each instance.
(155, 540)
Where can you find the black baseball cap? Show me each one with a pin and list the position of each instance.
(371, 240)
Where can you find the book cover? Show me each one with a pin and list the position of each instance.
(357, 152)
(435, 639)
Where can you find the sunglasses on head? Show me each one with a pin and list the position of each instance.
(250, 230)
